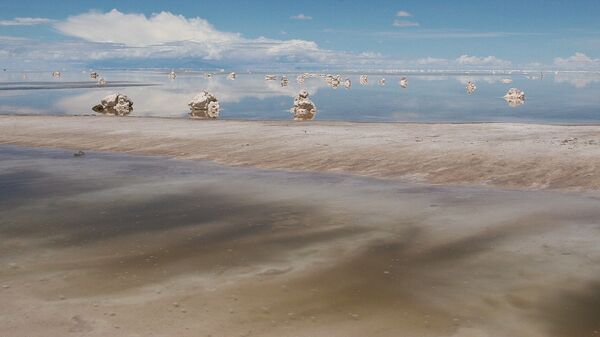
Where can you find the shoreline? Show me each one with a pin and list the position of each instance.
(506, 155)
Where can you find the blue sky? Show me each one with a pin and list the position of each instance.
(386, 34)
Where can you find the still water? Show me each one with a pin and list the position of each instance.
(563, 97)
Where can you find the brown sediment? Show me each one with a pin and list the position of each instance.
(506, 155)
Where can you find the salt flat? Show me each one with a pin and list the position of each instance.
(119, 245)
(528, 156)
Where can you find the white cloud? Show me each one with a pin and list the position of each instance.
(403, 14)
(486, 61)
(577, 60)
(301, 17)
(432, 61)
(402, 24)
(25, 22)
(169, 35)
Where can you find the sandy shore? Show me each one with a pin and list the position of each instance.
(506, 155)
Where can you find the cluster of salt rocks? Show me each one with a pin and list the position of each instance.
(471, 87)
(114, 105)
(514, 97)
(304, 109)
(99, 79)
(333, 80)
(204, 105)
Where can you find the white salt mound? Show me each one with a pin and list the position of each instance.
(514, 97)
(471, 87)
(204, 105)
(304, 109)
(404, 82)
(114, 105)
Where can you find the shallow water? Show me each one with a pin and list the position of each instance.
(126, 245)
(556, 98)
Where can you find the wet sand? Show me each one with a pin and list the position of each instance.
(117, 245)
(524, 156)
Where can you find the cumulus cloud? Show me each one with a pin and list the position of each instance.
(403, 14)
(402, 23)
(168, 35)
(486, 61)
(25, 22)
(577, 60)
(301, 17)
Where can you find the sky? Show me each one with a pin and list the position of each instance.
(346, 34)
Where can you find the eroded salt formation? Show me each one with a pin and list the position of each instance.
(364, 79)
(300, 79)
(304, 109)
(231, 76)
(347, 83)
(382, 81)
(404, 82)
(172, 75)
(471, 87)
(114, 105)
(204, 105)
(101, 81)
(514, 97)
(56, 74)
(94, 75)
(284, 81)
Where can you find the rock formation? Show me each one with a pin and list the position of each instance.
(514, 97)
(94, 75)
(231, 76)
(101, 81)
(56, 74)
(304, 109)
(364, 79)
(114, 105)
(471, 87)
(284, 81)
(172, 75)
(204, 105)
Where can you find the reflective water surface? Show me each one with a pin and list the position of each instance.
(114, 245)
(552, 98)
